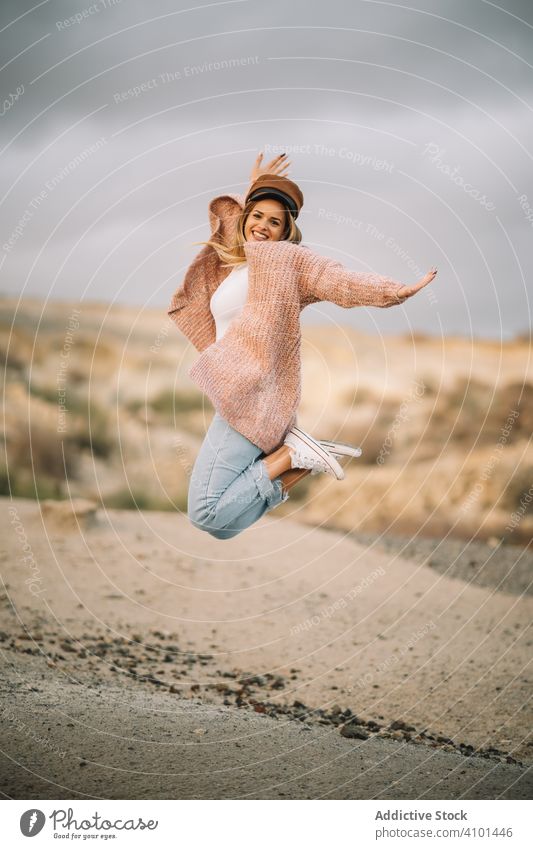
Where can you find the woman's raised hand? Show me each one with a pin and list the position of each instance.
(278, 165)
(407, 291)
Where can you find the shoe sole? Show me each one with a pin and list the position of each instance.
(341, 448)
(335, 467)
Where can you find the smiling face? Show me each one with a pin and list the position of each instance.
(266, 221)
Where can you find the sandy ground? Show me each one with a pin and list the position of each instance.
(141, 658)
(119, 742)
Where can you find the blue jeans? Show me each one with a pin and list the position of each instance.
(229, 488)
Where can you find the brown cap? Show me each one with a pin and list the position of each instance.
(280, 188)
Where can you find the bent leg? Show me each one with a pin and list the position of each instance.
(230, 488)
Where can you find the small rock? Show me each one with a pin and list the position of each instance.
(260, 680)
(354, 731)
(400, 725)
(71, 515)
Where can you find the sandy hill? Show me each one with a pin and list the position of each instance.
(98, 404)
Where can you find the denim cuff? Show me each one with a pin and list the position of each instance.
(279, 494)
(270, 491)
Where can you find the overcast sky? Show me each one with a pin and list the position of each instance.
(409, 128)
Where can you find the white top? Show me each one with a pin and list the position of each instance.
(229, 298)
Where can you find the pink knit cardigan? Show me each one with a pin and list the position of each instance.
(252, 375)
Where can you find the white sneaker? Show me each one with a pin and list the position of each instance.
(307, 453)
(341, 449)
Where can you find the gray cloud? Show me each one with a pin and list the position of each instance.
(410, 134)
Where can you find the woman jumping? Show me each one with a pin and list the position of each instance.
(246, 324)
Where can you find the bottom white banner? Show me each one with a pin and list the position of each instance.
(502, 823)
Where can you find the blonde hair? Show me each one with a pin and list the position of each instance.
(233, 253)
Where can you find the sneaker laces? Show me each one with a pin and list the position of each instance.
(298, 461)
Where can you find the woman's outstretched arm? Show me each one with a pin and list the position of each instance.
(328, 280)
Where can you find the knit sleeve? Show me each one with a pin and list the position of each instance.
(325, 279)
(223, 213)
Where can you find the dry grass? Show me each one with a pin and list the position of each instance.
(170, 405)
(136, 499)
